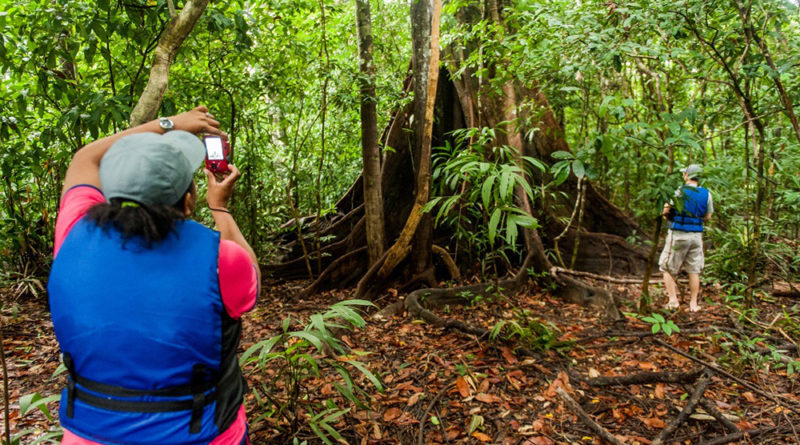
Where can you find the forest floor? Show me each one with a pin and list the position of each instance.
(447, 387)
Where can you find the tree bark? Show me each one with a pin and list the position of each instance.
(179, 27)
(373, 196)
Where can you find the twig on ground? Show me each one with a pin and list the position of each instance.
(645, 378)
(594, 426)
(699, 390)
(713, 411)
(739, 436)
(421, 435)
(557, 270)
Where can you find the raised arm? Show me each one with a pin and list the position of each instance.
(85, 165)
(218, 195)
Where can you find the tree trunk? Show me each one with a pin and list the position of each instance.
(373, 198)
(170, 42)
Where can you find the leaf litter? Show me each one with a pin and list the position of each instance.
(447, 387)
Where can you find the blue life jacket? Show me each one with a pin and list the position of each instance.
(150, 349)
(695, 205)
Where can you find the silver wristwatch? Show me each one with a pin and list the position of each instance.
(166, 124)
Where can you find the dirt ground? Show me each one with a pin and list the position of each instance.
(442, 386)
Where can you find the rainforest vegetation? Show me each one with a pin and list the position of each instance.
(456, 205)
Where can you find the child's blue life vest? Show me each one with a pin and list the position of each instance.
(150, 349)
(695, 205)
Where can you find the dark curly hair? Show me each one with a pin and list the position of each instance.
(152, 223)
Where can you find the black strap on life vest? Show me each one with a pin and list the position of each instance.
(201, 384)
(688, 220)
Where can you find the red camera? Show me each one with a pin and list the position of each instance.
(218, 154)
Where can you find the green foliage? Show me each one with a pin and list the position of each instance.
(528, 330)
(311, 353)
(475, 182)
(36, 402)
(659, 324)
(73, 70)
(742, 351)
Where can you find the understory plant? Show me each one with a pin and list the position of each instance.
(302, 356)
(32, 436)
(528, 330)
(475, 181)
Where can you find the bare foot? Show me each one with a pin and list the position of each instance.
(694, 307)
(673, 305)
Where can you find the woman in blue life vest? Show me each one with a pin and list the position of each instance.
(692, 208)
(146, 304)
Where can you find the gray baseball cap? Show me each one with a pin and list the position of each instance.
(692, 170)
(151, 168)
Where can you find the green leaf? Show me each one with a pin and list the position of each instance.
(577, 168)
(370, 376)
(311, 338)
(35, 400)
(486, 191)
(562, 155)
(474, 423)
(494, 220)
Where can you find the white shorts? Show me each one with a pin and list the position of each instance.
(682, 249)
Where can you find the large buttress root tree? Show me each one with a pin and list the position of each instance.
(465, 101)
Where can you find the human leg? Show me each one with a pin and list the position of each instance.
(695, 261)
(670, 264)
(694, 291)
(672, 291)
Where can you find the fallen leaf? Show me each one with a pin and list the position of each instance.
(392, 414)
(541, 440)
(414, 399)
(745, 425)
(750, 397)
(653, 422)
(488, 398)
(508, 355)
(463, 387)
(482, 437)
(593, 373)
(647, 365)
(659, 392)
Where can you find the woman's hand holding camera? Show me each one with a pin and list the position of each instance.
(219, 192)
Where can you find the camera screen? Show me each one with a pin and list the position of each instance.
(214, 148)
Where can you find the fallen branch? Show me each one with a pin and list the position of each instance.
(643, 378)
(713, 411)
(594, 426)
(699, 390)
(557, 270)
(742, 435)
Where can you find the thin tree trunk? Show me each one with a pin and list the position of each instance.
(373, 196)
(177, 30)
(324, 109)
(402, 247)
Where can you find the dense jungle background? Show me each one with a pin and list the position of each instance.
(456, 206)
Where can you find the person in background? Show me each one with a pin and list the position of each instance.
(684, 245)
(146, 304)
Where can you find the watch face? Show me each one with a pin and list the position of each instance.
(166, 123)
